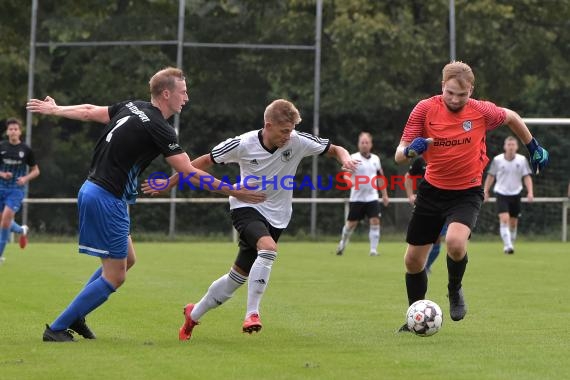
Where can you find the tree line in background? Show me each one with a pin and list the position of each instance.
(378, 59)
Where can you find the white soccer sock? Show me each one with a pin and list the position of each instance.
(219, 292)
(513, 234)
(258, 279)
(505, 235)
(374, 237)
(345, 236)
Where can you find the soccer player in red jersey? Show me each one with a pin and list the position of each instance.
(449, 130)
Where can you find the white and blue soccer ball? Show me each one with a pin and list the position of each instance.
(424, 318)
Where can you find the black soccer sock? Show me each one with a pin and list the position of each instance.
(455, 272)
(416, 285)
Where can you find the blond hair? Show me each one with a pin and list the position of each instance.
(282, 111)
(164, 80)
(459, 71)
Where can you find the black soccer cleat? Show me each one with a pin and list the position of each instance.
(457, 306)
(509, 251)
(339, 249)
(57, 336)
(81, 328)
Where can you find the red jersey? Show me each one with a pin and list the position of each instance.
(458, 155)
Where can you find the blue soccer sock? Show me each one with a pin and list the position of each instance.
(95, 275)
(433, 254)
(15, 227)
(4, 233)
(91, 297)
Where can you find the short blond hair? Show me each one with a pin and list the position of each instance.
(165, 79)
(459, 71)
(282, 111)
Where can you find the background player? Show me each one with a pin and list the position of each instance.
(509, 170)
(364, 200)
(15, 159)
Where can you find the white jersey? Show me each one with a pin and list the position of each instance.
(369, 167)
(270, 171)
(508, 174)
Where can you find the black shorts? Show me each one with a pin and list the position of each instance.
(251, 226)
(510, 204)
(435, 207)
(358, 210)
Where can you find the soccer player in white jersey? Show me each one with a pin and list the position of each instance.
(364, 199)
(508, 170)
(268, 159)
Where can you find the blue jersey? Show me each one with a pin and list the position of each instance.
(15, 159)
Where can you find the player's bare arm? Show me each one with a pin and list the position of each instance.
(399, 156)
(408, 186)
(34, 172)
(83, 112)
(343, 157)
(487, 187)
(203, 162)
(181, 164)
(517, 125)
(529, 188)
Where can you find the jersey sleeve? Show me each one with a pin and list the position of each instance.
(30, 157)
(227, 151)
(415, 124)
(494, 116)
(313, 145)
(115, 108)
(379, 166)
(493, 168)
(526, 167)
(165, 138)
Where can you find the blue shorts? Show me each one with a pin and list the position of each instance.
(103, 223)
(12, 197)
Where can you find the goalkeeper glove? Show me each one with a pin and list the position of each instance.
(417, 147)
(538, 156)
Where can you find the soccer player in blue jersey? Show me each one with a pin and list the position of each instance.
(15, 159)
(136, 133)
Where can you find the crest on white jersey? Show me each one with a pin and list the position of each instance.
(286, 155)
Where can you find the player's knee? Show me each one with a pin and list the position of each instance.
(414, 263)
(116, 279)
(455, 246)
(267, 245)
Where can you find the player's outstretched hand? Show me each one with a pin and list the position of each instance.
(418, 146)
(538, 156)
(249, 196)
(155, 187)
(350, 165)
(46, 106)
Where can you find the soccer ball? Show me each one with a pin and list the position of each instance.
(424, 318)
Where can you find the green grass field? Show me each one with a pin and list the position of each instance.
(325, 317)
